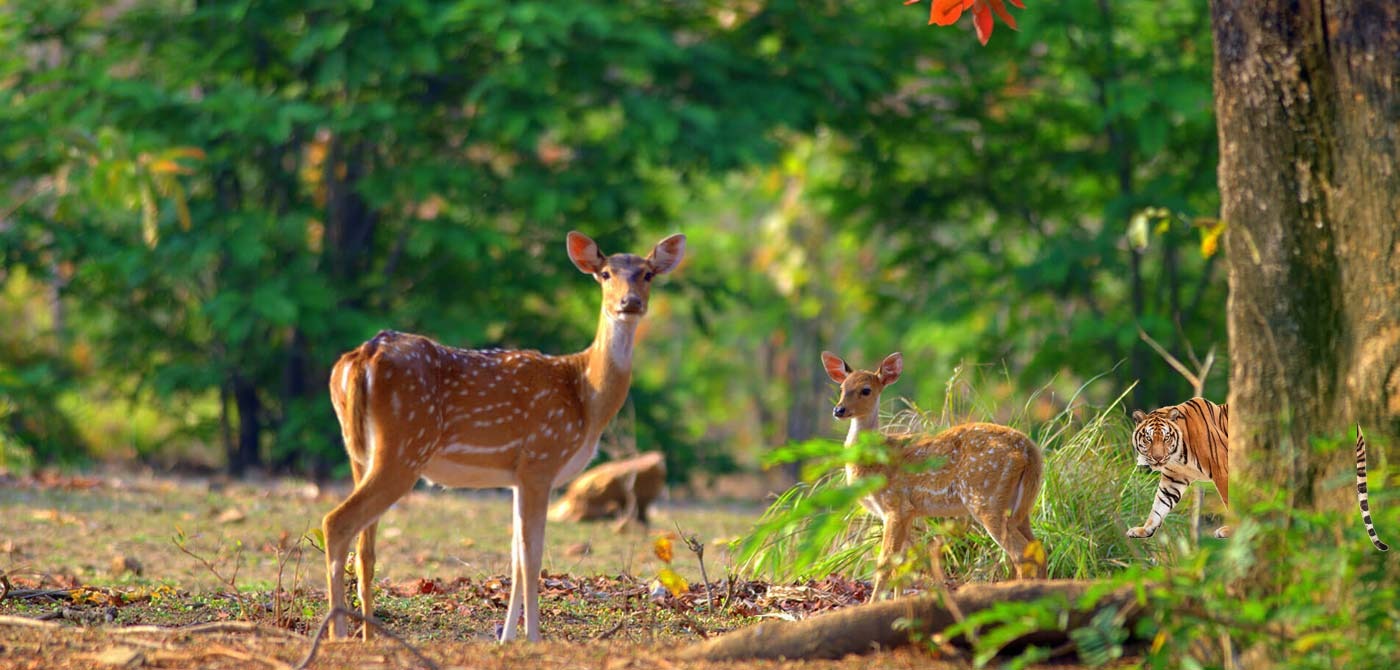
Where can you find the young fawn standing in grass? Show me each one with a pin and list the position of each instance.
(410, 407)
(989, 472)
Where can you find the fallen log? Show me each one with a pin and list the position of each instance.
(615, 489)
(869, 627)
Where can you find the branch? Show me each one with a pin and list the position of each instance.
(1170, 359)
(366, 620)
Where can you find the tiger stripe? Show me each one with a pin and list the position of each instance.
(1361, 495)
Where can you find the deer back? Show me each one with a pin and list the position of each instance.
(977, 460)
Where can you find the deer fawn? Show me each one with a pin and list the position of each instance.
(989, 472)
(410, 407)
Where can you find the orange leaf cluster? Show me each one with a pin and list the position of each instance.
(662, 548)
(947, 12)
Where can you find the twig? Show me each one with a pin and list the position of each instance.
(1198, 388)
(207, 627)
(366, 620)
(695, 626)
(26, 594)
(611, 631)
(940, 580)
(729, 591)
(1168, 357)
(6, 619)
(231, 580)
(698, 547)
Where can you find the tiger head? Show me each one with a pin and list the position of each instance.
(1157, 437)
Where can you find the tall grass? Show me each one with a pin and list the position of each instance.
(1091, 495)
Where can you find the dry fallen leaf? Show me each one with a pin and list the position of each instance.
(231, 515)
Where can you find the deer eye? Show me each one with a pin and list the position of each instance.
(647, 277)
(605, 274)
(865, 391)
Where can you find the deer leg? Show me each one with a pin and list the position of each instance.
(1009, 539)
(536, 503)
(891, 545)
(527, 554)
(516, 560)
(364, 574)
(1024, 528)
(373, 495)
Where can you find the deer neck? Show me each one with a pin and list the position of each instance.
(859, 424)
(606, 368)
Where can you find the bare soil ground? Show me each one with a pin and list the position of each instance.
(145, 571)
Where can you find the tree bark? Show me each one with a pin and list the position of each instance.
(1308, 111)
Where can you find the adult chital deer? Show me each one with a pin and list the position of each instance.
(989, 472)
(410, 407)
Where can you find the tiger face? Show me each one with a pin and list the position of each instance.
(1157, 438)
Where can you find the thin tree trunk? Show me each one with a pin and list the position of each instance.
(245, 398)
(1308, 107)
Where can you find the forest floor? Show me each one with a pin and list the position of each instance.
(161, 572)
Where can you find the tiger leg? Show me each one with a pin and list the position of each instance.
(1168, 495)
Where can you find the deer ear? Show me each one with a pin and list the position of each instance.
(584, 253)
(891, 367)
(1139, 415)
(835, 367)
(667, 254)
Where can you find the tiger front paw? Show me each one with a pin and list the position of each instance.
(1224, 532)
(1139, 531)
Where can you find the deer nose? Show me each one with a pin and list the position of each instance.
(838, 411)
(631, 303)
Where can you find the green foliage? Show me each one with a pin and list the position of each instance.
(247, 191)
(225, 196)
(1319, 603)
(1291, 584)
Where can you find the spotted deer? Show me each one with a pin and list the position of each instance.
(989, 472)
(412, 408)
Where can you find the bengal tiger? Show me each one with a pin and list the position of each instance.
(1158, 442)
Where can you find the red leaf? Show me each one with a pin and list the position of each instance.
(946, 12)
(1000, 8)
(982, 19)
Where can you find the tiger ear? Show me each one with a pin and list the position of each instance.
(1175, 414)
(1138, 415)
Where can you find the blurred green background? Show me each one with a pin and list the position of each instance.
(204, 202)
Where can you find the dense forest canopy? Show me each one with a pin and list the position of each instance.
(205, 203)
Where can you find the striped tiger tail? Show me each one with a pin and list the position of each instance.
(1361, 496)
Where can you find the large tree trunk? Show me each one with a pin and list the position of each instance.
(1308, 106)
